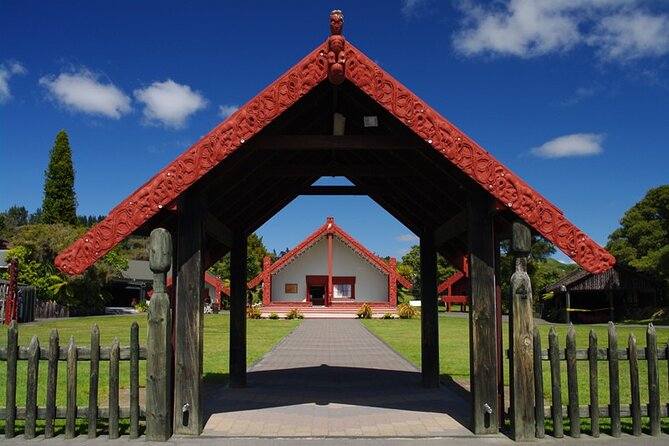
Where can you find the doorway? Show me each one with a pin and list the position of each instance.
(317, 295)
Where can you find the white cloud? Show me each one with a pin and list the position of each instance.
(627, 37)
(169, 103)
(410, 7)
(225, 110)
(82, 91)
(409, 238)
(618, 30)
(577, 144)
(7, 71)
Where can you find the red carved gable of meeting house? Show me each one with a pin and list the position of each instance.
(335, 61)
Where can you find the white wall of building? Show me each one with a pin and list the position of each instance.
(371, 285)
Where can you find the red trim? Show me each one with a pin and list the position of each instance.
(314, 237)
(435, 130)
(208, 152)
(474, 161)
(212, 280)
(330, 291)
(392, 282)
(267, 280)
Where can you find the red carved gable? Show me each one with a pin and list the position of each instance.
(163, 189)
(473, 160)
(329, 227)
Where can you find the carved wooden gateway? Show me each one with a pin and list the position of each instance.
(337, 113)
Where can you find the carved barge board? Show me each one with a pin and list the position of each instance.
(163, 189)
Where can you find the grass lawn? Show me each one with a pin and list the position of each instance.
(404, 336)
(262, 335)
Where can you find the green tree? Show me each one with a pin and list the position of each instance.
(409, 267)
(642, 240)
(36, 247)
(60, 201)
(11, 219)
(256, 251)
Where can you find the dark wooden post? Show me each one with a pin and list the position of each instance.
(189, 327)
(429, 316)
(238, 311)
(159, 342)
(482, 315)
(521, 373)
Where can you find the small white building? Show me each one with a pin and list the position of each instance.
(329, 269)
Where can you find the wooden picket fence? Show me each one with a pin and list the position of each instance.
(71, 355)
(612, 355)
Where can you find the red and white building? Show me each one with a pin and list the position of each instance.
(330, 270)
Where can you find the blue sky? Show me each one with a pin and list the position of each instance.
(572, 95)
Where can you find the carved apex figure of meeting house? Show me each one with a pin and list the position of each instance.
(336, 43)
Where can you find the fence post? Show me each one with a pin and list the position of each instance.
(114, 356)
(594, 383)
(31, 388)
(540, 429)
(556, 383)
(572, 383)
(614, 382)
(51, 384)
(134, 380)
(521, 374)
(632, 355)
(71, 409)
(93, 382)
(159, 337)
(12, 359)
(653, 381)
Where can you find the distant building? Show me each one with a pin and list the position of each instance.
(329, 269)
(583, 297)
(136, 283)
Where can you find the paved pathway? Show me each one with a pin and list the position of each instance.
(333, 378)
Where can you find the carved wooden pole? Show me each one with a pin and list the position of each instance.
(159, 342)
(482, 314)
(521, 374)
(12, 300)
(189, 318)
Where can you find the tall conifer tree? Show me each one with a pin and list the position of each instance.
(60, 201)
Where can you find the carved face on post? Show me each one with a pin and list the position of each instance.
(336, 22)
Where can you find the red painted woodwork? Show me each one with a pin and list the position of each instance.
(162, 190)
(216, 282)
(267, 280)
(473, 160)
(455, 299)
(392, 281)
(179, 175)
(330, 227)
(336, 44)
(12, 300)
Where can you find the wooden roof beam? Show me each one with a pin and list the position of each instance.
(451, 228)
(218, 230)
(329, 142)
(336, 170)
(334, 190)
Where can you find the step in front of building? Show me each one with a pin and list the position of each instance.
(329, 312)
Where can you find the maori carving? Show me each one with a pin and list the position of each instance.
(336, 53)
(328, 61)
(482, 167)
(162, 190)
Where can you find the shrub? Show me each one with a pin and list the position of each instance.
(273, 316)
(253, 312)
(406, 311)
(294, 313)
(142, 307)
(388, 316)
(365, 312)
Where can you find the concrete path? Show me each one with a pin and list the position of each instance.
(333, 378)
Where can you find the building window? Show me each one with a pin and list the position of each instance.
(291, 288)
(343, 291)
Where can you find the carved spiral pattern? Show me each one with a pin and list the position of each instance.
(163, 189)
(475, 162)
